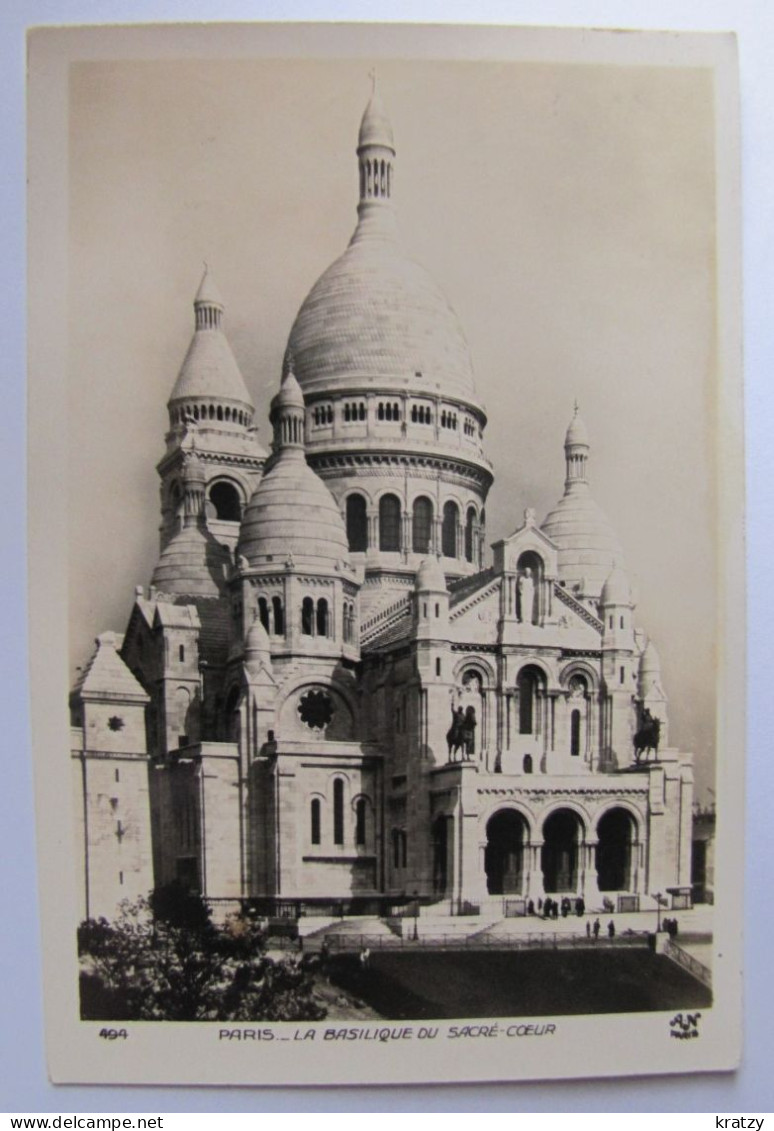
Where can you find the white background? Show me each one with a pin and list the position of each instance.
(23, 1068)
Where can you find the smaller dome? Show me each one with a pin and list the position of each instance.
(375, 126)
(193, 564)
(616, 590)
(430, 576)
(577, 433)
(587, 543)
(650, 662)
(292, 514)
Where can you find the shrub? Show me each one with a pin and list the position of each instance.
(163, 959)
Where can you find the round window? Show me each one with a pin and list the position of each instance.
(316, 709)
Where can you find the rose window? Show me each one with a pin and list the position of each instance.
(316, 709)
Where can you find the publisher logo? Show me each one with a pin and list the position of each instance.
(684, 1026)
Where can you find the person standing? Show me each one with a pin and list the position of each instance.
(597, 927)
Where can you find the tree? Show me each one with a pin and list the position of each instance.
(163, 959)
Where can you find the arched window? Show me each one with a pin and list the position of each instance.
(575, 733)
(338, 811)
(451, 518)
(527, 684)
(389, 523)
(322, 617)
(307, 616)
(279, 616)
(315, 820)
(422, 526)
(225, 498)
(360, 821)
(357, 524)
(527, 763)
(263, 612)
(469, 522)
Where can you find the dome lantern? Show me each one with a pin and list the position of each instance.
(576, 451)
(287, 414)
(376, 165)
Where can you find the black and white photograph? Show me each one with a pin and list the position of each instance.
(396, 455)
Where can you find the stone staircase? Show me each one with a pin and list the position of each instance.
(314, 932)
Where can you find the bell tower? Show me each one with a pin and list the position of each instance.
(210, 399)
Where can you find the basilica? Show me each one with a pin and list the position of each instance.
(329, 693)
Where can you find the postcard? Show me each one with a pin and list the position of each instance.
(386, 552)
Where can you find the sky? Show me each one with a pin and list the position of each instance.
(568, 212)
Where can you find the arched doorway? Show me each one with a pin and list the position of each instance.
(562, 837)
(616, 834)
(506, 835)
(440, 855)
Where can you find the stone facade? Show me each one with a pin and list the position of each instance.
(325, 694)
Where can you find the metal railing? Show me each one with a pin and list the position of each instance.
(699, 971)
(341, 943)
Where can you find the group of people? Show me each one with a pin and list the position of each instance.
(670, 926)
(549, 908)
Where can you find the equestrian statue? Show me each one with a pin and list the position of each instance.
(647, 736)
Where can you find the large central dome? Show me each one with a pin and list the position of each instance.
(376, 316)
(388, 390)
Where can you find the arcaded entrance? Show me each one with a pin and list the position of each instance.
(562, 837)
(506, 836)
(616, 834)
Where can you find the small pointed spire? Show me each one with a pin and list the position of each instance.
(375, 127)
